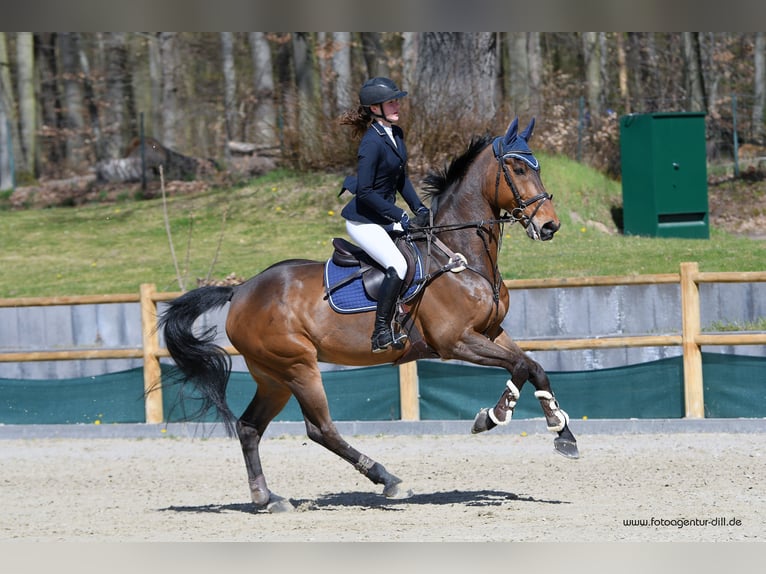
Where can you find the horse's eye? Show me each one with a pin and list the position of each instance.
(518, 170)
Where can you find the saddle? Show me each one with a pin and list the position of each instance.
(346, 254)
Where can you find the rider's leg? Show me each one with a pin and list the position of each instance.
(379, 245)
(383, 333)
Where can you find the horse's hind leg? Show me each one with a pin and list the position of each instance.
(328, 437)
(321, 429)
(267, 403)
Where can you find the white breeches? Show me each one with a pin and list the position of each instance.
(378, 244)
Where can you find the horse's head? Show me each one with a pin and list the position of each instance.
(521, 191)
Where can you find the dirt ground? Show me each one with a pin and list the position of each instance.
(467, 488)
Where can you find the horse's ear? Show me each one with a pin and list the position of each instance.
(512, 129)
(527, 133)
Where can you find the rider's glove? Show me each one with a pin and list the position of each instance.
(422, 217)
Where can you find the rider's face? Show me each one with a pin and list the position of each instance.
(390, 110)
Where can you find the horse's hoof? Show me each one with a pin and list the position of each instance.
(277, 504)
(566, 447)
(482, 422)
(397, 491)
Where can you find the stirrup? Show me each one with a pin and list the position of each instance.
(398, 340)
(382, 342)
(388, 339)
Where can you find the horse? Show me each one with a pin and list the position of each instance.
(281, 323)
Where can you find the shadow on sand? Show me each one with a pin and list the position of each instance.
(371, 500)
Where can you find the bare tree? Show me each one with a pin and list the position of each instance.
(169, 72)
(52, 146)
(341, 65)
(410, 41)
(593, 78)
(25, 61)
(374, 55)
(307, 85)
(229, 87)
(7, 95)
(6, 151)
(759, 85)
(535, 60)
(265, 111)
(116, 95)
(622, 71)
(76, 153)
(694, 81)
(520, 88)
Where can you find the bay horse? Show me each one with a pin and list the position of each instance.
(282, 324)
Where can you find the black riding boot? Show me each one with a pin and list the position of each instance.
(383, 336)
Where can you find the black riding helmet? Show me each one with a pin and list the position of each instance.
(379, 90)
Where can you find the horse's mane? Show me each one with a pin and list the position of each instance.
(437, 182)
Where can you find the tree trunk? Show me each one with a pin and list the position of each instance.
(169, 72)
(711, 74)
(535, 59)
(410, 42)
(229, 88)
(374, 55)
(25, 61)
(154, 120)
(594, 87)
(454, 94)
(76, 152)
(519, 90)
(52, 144)
(118, 85)
(622, 71)
(457, 73)
(306, 84)
(633, 58)
(759, 85)
(652, 72)
(94, 122)
(341, 66)
(694, 81)
(13, 153)
(265, 112)
(6, 150)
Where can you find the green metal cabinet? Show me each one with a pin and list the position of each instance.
(664, 175)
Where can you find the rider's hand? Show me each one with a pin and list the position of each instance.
(422, 217)
(405, 221)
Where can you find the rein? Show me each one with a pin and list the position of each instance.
(457, 261)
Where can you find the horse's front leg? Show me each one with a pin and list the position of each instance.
(504, 352)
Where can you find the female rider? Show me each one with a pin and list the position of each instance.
(372, 216)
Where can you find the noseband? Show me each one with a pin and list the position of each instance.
(518, 213)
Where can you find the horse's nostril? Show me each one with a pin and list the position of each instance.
(548, 230)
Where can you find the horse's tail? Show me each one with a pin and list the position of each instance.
(201, 362)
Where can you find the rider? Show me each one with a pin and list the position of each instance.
(372, 216)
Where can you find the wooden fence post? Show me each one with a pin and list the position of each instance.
(151, 346)
(409, 393)
(690, 329)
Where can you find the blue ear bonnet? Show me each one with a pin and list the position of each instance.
(514, 144)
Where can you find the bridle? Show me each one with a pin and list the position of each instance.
(484, 227)
(518, 213)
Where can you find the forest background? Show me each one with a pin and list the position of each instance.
(71, 100)
(251, 122)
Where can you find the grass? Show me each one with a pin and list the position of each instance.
(113, 248)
